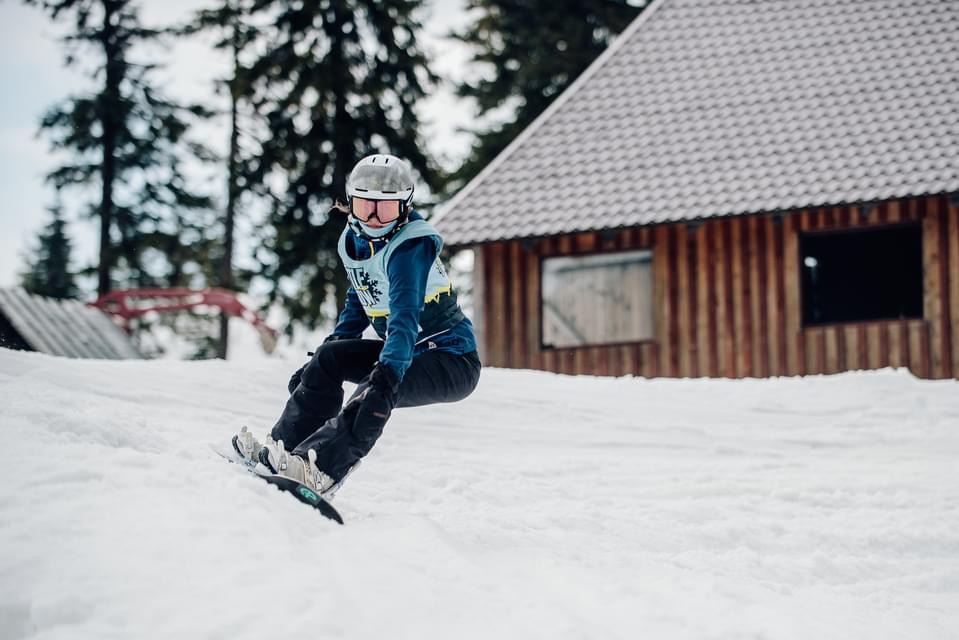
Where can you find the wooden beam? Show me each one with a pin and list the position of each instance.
(705, 329)
(518, 283)
(602, 361)
(723, 299)
(533, 308)
(774, 298)
(756, 294)
(873, 360)
(662, 300)
(833, 352)
(843, 217)
(811, 343)
(919, 348)
(841, 347)
(952, 238)
(940, 210)
(548, 356)
(932, 290)
(579, 361)
(631, 359)
(890, 211)
(694, 345)
(791, 284)
(649, 355)
(897, 346)
(863, 358)
(684, 321)
(586, 242)
(499, 294)
(742, 348)
(763, 292)
(670, 359)
(851, 350)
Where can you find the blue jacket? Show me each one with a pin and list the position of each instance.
(408, 270)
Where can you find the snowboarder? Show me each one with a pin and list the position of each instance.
(426, 353)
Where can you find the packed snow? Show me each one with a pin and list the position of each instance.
(543, 506)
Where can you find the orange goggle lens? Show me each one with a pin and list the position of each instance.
(384, 210)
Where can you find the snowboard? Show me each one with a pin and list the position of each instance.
(302, 492)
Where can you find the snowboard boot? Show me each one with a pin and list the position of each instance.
(281, 462)
(246, 446)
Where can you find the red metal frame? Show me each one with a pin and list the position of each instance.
(133, 303)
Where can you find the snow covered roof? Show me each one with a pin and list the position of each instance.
(62, 327)
(706, 108)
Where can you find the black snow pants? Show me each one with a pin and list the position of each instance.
(316, 418)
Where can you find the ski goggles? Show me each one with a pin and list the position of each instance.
(385, 210)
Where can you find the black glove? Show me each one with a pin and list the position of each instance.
(298, 374)
(295, 380)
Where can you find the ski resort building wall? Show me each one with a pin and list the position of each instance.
(727, 298)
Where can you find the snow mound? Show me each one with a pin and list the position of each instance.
(543, 506)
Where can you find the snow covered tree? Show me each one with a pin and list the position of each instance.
(126, 144)
(48, 270)
(535, 49)
(336, 80)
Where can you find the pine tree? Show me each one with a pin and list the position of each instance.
(48, 270)
(128, 141)
(536, 49)
(229, 21)
(337, 80)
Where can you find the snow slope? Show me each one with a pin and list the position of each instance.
(543, 506)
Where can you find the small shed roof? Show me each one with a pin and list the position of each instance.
(707, 108)
(64, 327)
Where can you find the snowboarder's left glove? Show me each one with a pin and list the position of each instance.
(298, 374)
(295, 379)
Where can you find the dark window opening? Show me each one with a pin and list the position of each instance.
(862, 275)
(10, 338)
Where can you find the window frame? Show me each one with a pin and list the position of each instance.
(603, 345)
(848, 231)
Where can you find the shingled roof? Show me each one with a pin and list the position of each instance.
(60, 327)
(707, 108)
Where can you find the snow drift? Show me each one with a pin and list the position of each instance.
(543, 506)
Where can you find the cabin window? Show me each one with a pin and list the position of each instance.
(597, 299)
(857, 276)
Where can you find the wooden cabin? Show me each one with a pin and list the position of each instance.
(733, 189)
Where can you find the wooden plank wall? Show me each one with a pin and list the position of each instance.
(728, 301)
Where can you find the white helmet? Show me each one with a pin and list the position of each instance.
(381, 177)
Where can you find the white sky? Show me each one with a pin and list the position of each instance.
(32, 78)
